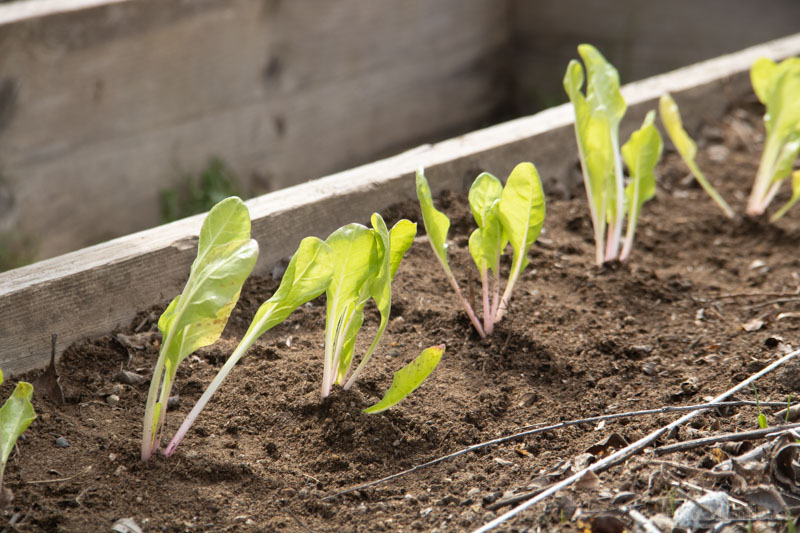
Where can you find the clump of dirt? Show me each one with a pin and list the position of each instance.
(703, 303)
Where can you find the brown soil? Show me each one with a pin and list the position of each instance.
(579, 341)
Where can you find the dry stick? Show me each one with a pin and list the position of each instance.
(631, 449)
(560, 425)
(776, 301)
(751, 295)
(59, 480)
(725, 437)
(642, 520)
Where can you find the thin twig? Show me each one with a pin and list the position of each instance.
(751, 295)
(625, 453)
(299, 522)
(560, 425)
(59, 480)
(725, 437)
(641, 519)
(775, 301)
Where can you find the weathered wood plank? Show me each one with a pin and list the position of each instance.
(91, 291)
(640, 38)
(106, 104)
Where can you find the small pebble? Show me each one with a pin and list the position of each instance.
(361, 509)
(112, 400)
(173, 402)
(62, 442)
(473, 492)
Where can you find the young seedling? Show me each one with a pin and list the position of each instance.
(671, 119)
(598, 113)
(777, 86)
(511, 214)
(353, 265)
(307, 276)
(15, 417)
(364, 262)
(195, 318)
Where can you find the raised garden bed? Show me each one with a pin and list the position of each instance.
(667, 328)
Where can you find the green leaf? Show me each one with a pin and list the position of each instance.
(486, 243)
(484, 192)
(762, 421)
(15, 417)
(602, 91)
(793, 200)
(436, 223)
(355, 259)
(407, 379)
(521, 211)
(641, 154)
(761, 75)
(306, 277)
(671, 119)
(777, 86)
(225, 257)
(401, 238)
(392, 246)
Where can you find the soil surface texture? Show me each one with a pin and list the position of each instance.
(703, 303)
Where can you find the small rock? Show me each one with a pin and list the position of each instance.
(410, 498)
(112, 400)
(173, 402)
(448, 500)
(62, 442)
(690, 516)
(650, 368)
(662, 522)
(126, 525)
(473, 492)
(361, 509)
(425, 512)
(466, 518)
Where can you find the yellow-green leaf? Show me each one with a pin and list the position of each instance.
(409, 378)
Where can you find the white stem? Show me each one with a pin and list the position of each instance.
(488, 323)
(760, 194)
(615, 231)
(250, 337)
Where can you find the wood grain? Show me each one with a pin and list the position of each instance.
(92, 291)
(106, 104)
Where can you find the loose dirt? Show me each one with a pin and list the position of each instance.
(665, 328)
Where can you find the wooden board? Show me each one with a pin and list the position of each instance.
(105, 104)
(640, 38)
(92, 291)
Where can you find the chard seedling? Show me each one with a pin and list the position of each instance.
(364, 262)
(671, 119)
(512, 214)
(195, 318)
(598, 113)
(307, 276)
(777, 86)
(15, 417)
